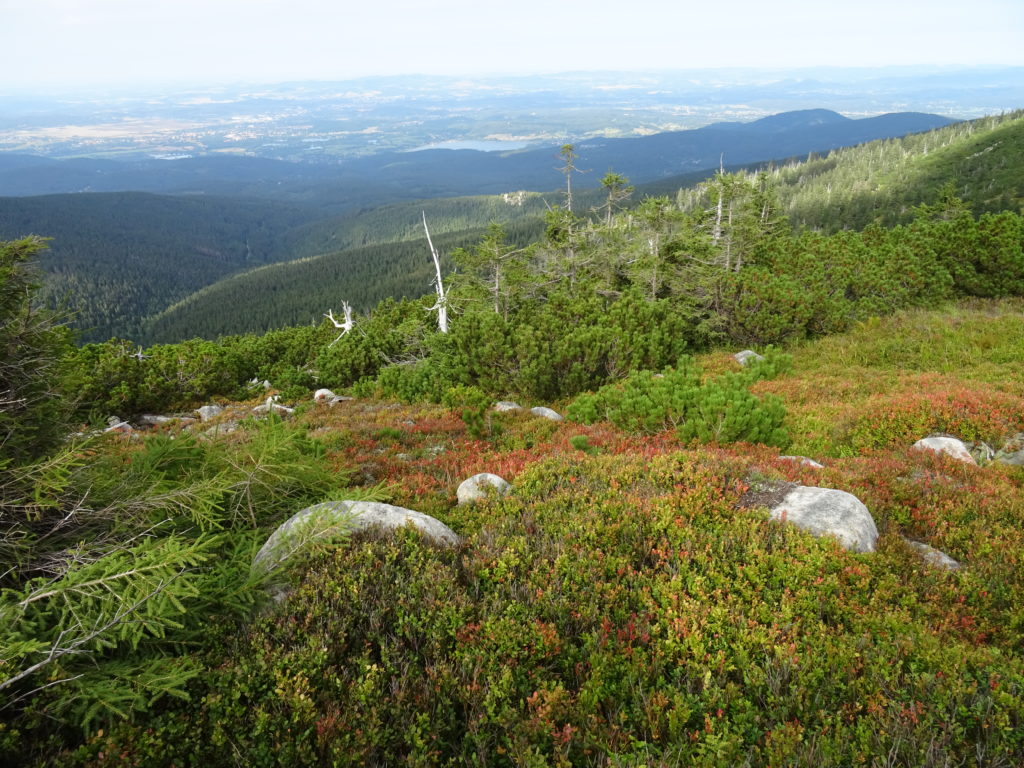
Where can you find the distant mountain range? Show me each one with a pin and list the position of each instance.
(390, 176)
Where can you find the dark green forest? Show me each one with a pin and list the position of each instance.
(118, 257)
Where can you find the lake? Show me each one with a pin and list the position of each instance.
(479, 146)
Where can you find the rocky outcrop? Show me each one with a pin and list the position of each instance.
(949, 446)
(546, 413)
(336, 519)
(829, 512)
(481, 486)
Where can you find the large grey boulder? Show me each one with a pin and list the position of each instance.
(747, 356)
(546, 413)
(933, 556)
(479, 486)
(332, 519)
(828, 512)
(947, 445)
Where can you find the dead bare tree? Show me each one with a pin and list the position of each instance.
(345, 326)
(441, 305)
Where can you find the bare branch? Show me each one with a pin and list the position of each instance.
(441, 306)
(345, 326)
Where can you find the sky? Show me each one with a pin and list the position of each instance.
(108, 42)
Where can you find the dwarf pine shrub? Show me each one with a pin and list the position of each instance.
(719, 410)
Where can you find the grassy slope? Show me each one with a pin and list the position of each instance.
(624, 604)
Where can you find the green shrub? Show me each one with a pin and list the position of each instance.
(720, 410)
(475, 407)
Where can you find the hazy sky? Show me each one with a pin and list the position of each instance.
(107, 41)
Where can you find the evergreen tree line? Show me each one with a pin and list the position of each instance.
(599, 295)
(882, 181)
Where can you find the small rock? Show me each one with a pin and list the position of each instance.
(480, 486)
(982, 452)
(546, 413)
(829, 512)
(121, 427)
(208, 412)
(804, 461)
(255, 382)
(746, 356)
(114, 421)
(273, 405)
(933, 556)
(321, 522)
(154, 420)
(507, 405)
(1015, 459)
(328, 397)
(947, 445)
(224, 428)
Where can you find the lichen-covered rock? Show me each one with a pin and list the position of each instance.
(334, 519)
(546, 413)
(121, 427)
(803, 460)
(947, 445)
(933, 556)
(747, 356)
(480, 486)
(829, 512)
(507, 405)
(209, 412)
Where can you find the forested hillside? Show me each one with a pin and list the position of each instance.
(982, 161)
(300, 292)
(115, 258)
